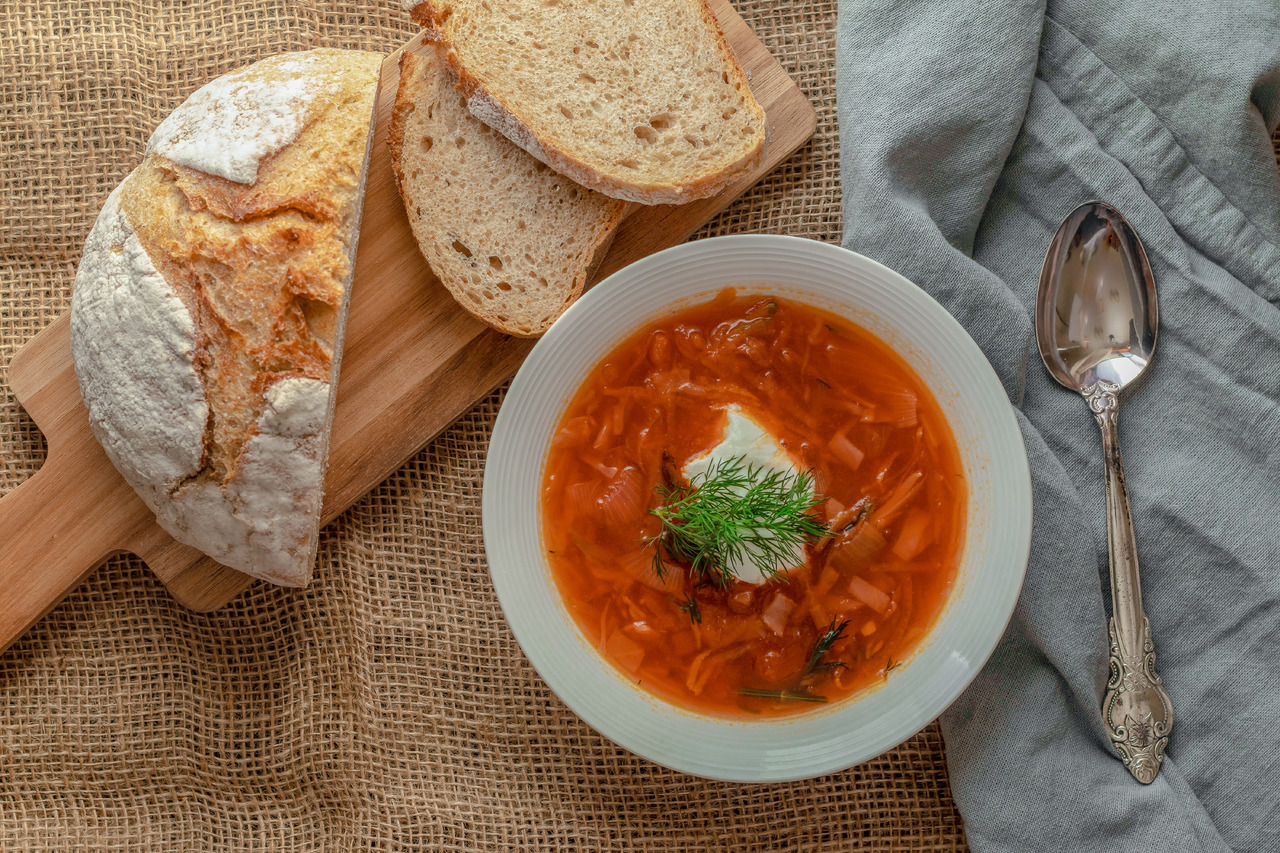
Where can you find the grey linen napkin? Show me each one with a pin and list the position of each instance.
(968, 131)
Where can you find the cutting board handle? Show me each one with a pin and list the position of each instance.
(51, 537)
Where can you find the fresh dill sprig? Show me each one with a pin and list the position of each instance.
(731, 514)
(780, 695)
(689, 605)
(803, 691)
(833, 635)
(889, 667)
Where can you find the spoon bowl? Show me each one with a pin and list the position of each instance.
(1096, 324)
(1096, 311)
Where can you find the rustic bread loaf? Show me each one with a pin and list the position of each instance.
(209, 306)
(643, 101)
(513, 241)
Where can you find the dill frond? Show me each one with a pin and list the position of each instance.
(833, 635)
(780, 695)
(803, 691)
(735, 513)
(689, 605)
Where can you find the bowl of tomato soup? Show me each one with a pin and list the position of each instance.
(757, 508)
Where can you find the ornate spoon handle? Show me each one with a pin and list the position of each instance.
(1136, 708)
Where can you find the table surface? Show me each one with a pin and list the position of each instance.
(387, 705)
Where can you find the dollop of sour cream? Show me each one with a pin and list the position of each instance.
(745, 439)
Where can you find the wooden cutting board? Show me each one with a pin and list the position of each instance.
(413, 362)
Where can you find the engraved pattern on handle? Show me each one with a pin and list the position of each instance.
(1136, 708)
(1103, 399)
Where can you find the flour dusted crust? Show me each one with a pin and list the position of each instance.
(134, 346)
(264, 516)
(227, 127)
(210, 303)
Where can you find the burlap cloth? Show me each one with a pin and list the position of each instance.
(387, 707)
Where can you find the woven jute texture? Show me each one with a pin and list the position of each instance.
(387, 707)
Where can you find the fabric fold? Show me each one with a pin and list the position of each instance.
(967, 134)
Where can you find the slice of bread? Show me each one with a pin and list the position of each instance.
(208, 310)
(642, 100)
(513, 241)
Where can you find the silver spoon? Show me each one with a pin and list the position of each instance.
(1096, 323)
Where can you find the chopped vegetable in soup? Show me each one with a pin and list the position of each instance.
(754, 507)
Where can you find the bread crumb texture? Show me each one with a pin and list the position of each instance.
(642, 100)
(512, 240)
(226, 321)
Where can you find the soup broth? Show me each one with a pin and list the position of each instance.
(886, 478)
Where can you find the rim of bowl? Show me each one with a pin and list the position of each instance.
(847, 732)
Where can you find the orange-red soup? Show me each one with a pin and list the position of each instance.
(845, 407)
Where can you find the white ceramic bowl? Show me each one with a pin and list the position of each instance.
(996, 542)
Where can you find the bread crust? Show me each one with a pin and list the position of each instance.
(456, 210)
(485, 102)
(253, 241)
(134, 346)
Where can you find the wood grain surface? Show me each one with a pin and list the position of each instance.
(413, 362)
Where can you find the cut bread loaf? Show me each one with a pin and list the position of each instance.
(513, 241)
(209, 306)
(643, 101)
